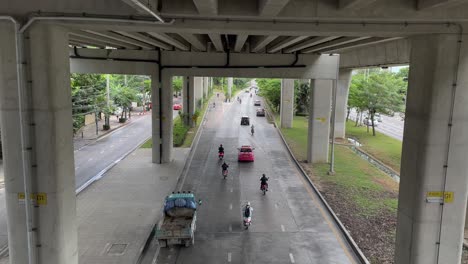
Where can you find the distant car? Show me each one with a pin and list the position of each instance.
(368, 122)
(246, 153)
(260, 112)
(177, 106)
(246, 90)
(378, 117)
(257, 103)
(245, 121)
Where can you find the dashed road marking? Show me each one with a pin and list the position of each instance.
(102, 151)
(276, 205)
(291, 257)
(231, 190)
(90, 159)
(282, 228)
(230, 207)
(229, 257)
(76, 168)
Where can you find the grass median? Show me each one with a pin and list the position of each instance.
(363, 197)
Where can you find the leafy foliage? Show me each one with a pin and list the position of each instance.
(271, 90)
(302, 91)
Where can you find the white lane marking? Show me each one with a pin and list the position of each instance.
(230, 228)
(291, 257)
(230, 207)
(276, 205)
(231, 190)
(282, 228)
(111, 146)
(76, 168)
(229, 257)
(102, 151)
(90, 159)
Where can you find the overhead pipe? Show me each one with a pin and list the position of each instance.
(78, 56)
(149, 11)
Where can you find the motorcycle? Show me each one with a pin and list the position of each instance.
(247, 222)
(251, 95)
(252, 131)
(264, 188)
(221, 155)
(225, 173)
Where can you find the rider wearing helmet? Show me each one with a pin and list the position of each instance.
(248, 210)
(264, 181)
(221, 149)
(224, 166)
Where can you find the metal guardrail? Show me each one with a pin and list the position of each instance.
(357, 251)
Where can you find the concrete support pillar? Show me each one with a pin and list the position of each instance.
(156, 118)
(287, 103)
(167, 137)
(344, 81)
(188, 96)
(319, 120)
(11, 144)
(205, 87)
(48, 160)
(211, 84)
(229, 85)
(198, 92)
(434, 152)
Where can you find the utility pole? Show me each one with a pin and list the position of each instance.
(108, 89)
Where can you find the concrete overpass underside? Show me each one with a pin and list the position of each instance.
(43, 41)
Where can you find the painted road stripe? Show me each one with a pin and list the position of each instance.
(229, 257)
(230, 207)
(102, 151)
(282, 228)
(276, 205)
(90, 159)
(231, 190)
(291, 257)
(77, 168)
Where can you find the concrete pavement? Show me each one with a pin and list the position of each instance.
(289, 225)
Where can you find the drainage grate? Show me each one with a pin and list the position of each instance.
(117, 249)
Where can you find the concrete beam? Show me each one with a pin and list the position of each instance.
(259, 42)
(287, 103)
(423, 4)
(121, 38)
(143, 38)
(195, 40)
(344, 81)
(207, 7)
(316, 66)
(333, 43)
(168, 39)
(271, 8)
(216, 40)
(285, 43)
(311, 42)
(357, 44)
(98, 43)
(388, 53)
(109, 41)
(240, 41)
(354, 3)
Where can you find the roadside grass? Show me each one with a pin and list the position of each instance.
(355, 177)
(383, 147)
(190, 135)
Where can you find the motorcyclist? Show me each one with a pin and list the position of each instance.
(214, 104)
(224, 166)
(248, 210)
(221, 149)
(252, 129)
(264, 182)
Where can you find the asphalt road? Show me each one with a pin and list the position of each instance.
(289, 224)
(390, 126)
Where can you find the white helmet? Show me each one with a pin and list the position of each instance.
(248, 203)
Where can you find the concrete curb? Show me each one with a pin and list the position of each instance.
(357, 251)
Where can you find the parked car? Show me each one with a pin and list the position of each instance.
(246, 153)
(368, 122)
(245, 121)
(260, 112)
(257, 103)
(378, 117)
(177, 106)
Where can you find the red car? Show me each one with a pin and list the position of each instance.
(246, 153)
(177, 106)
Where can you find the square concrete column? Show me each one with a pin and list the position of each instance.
(11, 145)
(198, 86)
(319, 120)
(205, 87)
(188, 97)
(167, 122)
(435, 147)
(52, 156)
(230, 82)
(287, 103)
(156, 120)
(344, 81)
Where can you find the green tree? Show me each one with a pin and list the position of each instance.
(302, 91)
(379, 93)
(271, 90)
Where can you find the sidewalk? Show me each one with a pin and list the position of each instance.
(87, 134)
(117, 213)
